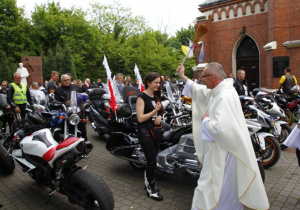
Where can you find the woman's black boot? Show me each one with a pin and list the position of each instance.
(151, 190)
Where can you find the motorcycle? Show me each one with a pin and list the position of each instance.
(268, 126)
(54, 164)
(279, 128)
(174, 107)
(177, 154)
(106, 121)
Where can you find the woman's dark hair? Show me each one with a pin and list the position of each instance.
(157, 94)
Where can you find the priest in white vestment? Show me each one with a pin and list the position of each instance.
(230, 177)
(23, 72)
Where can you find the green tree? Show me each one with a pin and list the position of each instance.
(68, 62)
(5, 72)
(49, 64)
(184, 35)
(55, 26)
(59, 60)
(15, 38)
(107, 16)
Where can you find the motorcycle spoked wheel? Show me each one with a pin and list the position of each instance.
(289, 118)
(296, 114)
(99, 195)
(7, 164)
(271, 155)
(137, 166)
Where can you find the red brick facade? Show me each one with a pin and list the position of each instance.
(264, 21)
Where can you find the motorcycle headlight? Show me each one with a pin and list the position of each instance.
(74, 119)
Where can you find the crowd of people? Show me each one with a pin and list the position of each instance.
(230, 175)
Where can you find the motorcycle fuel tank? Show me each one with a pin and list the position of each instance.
(38, 143)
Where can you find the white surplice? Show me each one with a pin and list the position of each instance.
(230, 175)
(293, 140)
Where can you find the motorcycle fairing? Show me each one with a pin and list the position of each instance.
(49, 155)
(67, 142)
(35, 147)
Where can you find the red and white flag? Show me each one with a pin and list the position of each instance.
(138, 76)
(112, 101)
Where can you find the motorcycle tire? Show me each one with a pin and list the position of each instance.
(285, 131)
(296, 114)
(137, 166)
(289, 118)
(271, 155)
(261, 170)
(99, 194)
(7, 164)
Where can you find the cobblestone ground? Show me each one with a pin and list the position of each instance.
(17, 191)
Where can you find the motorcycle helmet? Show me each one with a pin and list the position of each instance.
(296, 89)
(124, 111)
(255, 91)
(51, 97)
(81, 98)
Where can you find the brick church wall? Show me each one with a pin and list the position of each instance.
(281, 23)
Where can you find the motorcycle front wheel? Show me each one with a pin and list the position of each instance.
(296, 114)
(285, 131)
(289, 118)
(7, 164)
(271, 154)
(98, 193)
(137, 166)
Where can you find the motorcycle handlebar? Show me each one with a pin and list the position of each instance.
(180, 115)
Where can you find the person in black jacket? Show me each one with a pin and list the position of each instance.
(81, 88)
(63, 94)
(149, 111)
(240, 84)
(8, 116)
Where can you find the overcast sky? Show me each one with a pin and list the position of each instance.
(159, 13)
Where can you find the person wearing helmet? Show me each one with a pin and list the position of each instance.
(240, 84)
(287, 81)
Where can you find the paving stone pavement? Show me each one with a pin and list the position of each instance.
(17, 191)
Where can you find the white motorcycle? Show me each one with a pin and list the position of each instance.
(54, 164)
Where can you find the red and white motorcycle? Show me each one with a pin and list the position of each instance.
(54, 164)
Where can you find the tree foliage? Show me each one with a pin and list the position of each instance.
(69, 41)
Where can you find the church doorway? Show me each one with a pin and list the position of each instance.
(247, 58)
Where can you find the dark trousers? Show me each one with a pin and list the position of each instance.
(22, 107)
(7, 118)
(150, 147)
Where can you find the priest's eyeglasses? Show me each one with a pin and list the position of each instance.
(203, 76)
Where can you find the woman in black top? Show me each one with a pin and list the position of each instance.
(149, 111)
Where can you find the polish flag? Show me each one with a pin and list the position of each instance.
(112, 101)
(137, 74)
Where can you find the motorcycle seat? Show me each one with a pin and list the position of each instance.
(168, 135)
